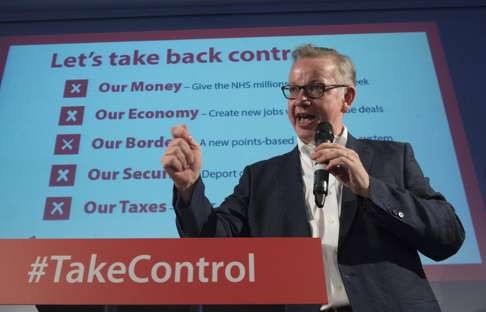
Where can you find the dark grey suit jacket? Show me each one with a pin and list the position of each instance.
(379, 237)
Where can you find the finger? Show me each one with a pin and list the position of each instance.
(324, 146)
(186, 150)
(170, 171)
(181, 157)
(180, 131)
(325, 155)
(339, 170)
(184, 146)
(179, 149)
(193, 144)
(336, 163)
(336, 150)
(352, 155)
(171, 163)
(174, 143)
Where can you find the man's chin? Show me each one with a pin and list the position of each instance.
(306, 135)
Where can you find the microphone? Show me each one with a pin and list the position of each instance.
(324, 134)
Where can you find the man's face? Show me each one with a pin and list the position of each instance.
(306, 113)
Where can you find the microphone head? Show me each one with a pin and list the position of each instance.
(324, 133)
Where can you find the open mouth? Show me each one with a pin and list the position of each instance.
(304, 119)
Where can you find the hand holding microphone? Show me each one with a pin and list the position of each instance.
(342, 162)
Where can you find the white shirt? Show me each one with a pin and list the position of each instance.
(324, 222)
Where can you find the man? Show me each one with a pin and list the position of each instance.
(380, 210)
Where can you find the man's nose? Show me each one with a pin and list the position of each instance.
(302, 98)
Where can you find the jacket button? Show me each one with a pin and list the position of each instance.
(401, 214)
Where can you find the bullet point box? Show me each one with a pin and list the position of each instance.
(67, 144)
(76, 88)
(57, 208)
(71, 116)
(62, 175)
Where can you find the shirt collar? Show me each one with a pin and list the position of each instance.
(307, 149)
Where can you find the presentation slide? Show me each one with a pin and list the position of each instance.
(85, 119)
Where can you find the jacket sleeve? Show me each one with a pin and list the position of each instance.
(200, 219)
(415, 212)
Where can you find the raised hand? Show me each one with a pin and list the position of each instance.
(182, 160)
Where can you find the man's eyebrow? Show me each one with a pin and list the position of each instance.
(310, 82)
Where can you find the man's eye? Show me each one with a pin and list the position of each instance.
(315, 87)
(294, 89)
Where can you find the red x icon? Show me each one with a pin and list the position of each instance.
(75, 88)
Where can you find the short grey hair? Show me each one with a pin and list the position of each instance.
(345, 67)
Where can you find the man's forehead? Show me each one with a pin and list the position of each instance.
(313, 68)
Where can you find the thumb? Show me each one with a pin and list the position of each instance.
(181, 131)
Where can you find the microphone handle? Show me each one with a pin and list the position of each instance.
(321, 178)
(324, 134)
(319, 199)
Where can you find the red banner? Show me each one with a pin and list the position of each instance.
(162, 271)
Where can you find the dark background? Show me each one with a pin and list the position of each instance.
(462, 29)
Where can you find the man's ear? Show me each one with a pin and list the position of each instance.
(348, 98)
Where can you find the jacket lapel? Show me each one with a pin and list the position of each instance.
(291, 193)
(349, 201)
(291, 188)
